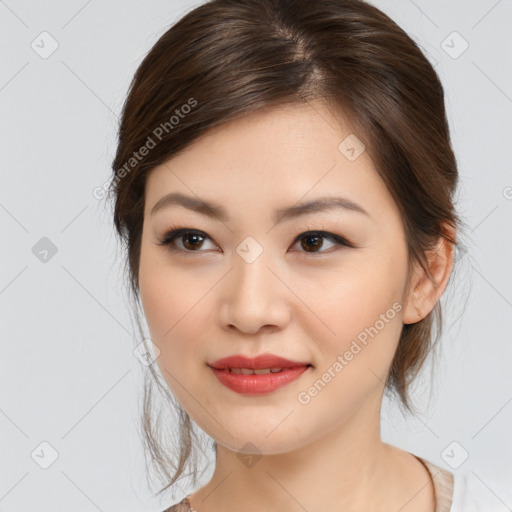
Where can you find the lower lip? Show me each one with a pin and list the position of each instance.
(258, 384)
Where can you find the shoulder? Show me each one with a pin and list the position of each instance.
(465, 491)
(473, 494)
(182, 506)
(443, 482)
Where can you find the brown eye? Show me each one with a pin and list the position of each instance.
(313, 241)
(191, 241)
(187, 240)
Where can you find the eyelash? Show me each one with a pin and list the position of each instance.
(175, 232)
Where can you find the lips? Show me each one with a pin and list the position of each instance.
(257, 375)
(249, 365)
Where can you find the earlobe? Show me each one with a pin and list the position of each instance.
(425, 291)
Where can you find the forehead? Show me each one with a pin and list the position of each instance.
(273, 158)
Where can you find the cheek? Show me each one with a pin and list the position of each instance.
(361, 305)
(175, 306)
(363, 318)
(172, 316)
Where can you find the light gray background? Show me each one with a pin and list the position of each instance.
(68, 375)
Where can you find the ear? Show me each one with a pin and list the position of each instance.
(423, 293)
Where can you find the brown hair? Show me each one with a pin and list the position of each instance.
(227, 58)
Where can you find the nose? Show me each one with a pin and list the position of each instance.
(254, 297)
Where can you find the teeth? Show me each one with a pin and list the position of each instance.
(249, 371)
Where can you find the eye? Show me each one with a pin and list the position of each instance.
(192, 240)
(312, 240)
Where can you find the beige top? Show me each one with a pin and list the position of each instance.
(443, 485)
(441, 478)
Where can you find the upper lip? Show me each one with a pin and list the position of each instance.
(256, 363)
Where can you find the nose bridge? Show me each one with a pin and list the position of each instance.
(251, 275)
(255, 296)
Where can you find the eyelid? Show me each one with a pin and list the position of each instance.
(175, 232)
(322, 230)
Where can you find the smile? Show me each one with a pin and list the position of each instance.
(258, 381)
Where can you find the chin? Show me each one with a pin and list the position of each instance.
(259, 445)
(261, 439)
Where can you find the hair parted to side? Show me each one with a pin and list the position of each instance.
(227, 58)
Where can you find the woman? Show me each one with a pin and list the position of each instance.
(284, 184)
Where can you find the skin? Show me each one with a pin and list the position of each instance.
(209, 303)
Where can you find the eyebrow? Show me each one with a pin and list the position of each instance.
(216, 211)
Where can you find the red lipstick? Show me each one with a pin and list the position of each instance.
(258, 375)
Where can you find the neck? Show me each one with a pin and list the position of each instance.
(349, 466)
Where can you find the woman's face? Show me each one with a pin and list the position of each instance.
(249, 284)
